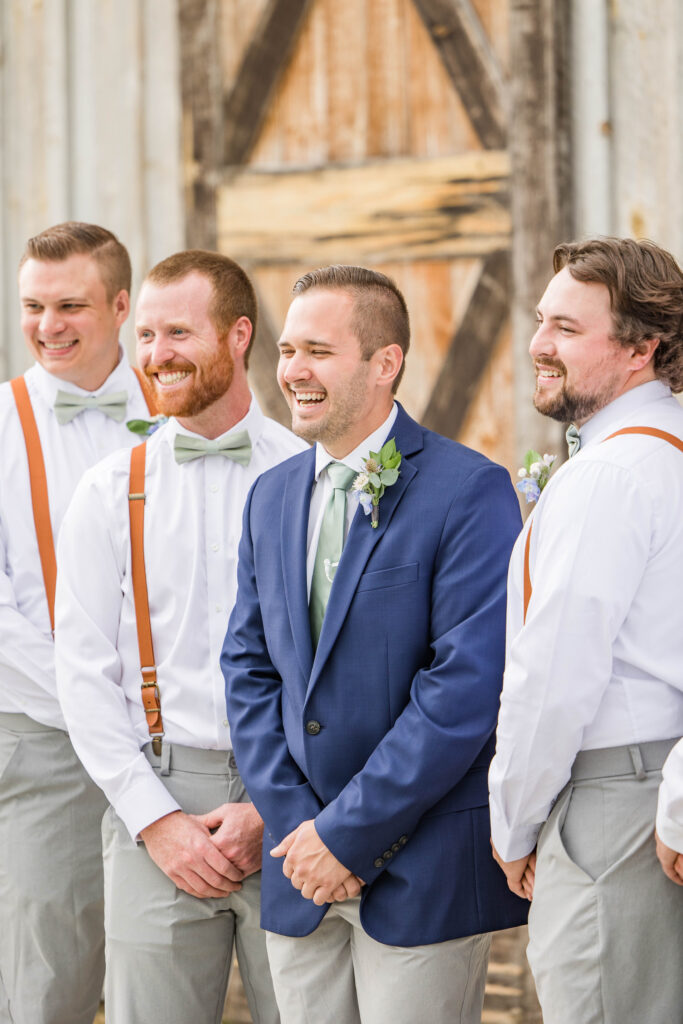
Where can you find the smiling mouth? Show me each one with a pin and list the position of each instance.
(546, 374)
(306, 399)
(57, 346)
(169, 378)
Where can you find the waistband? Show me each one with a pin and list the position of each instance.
(17, 721)
(176, 757)
(610, 762)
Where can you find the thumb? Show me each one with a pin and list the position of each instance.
(282, 848)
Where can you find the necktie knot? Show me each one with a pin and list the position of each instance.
(573, 439)
(236, 447)
(68, 405)
(340, 475)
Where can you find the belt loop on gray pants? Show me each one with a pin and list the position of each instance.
(165, 759)
(638, 766)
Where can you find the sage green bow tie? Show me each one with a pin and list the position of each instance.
(234, 446)
(573, 439)
(68, 405)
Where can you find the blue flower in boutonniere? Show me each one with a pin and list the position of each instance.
(534, 474)
(380, 470)
(146, 427)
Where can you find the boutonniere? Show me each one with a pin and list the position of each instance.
(534, 474)
(380, 470)
(146, 427)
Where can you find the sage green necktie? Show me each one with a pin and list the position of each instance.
(233, 446)
(573, 439)
(330, 544)
(68, 405)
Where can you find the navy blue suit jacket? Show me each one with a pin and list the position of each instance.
(385, 733)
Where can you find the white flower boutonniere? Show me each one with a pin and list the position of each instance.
(380, 470)
(534, 474)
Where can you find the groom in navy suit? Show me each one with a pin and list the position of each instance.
(363, 668)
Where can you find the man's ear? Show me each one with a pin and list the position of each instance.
(121, 306)
(389, 360)
(239, 336)
(643, 352)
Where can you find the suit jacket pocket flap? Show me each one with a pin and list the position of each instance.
(389, 577)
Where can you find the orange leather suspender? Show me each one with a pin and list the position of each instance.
(39, 499)
(151, 700)
(649, 431)
(38, 479)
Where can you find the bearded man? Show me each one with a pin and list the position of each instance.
(142, 606)
(592, 698)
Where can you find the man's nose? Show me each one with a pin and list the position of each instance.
(51, 321)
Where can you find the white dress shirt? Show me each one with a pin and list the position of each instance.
(193, 523)
(27, 675)
(599, 661)
(322, 487)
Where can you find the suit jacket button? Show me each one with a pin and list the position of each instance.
(379, 863)
(395, 847)
(313, 727)
(403, 840)
(387, 855)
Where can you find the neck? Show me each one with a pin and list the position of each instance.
(222, 415)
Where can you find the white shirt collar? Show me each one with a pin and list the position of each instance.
(253, 423)
(355, 459)
(48, 385)
(621, 409)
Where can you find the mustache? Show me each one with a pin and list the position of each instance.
(169, 367)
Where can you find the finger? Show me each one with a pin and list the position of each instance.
(515, 885)
(283, 847)
(322, 896)
(223, 867)
(352, 885)
(296, 882)
(194, 884)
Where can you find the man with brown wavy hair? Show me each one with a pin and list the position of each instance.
(592, 700)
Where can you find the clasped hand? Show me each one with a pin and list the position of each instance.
(207, 854)
(520, 873)
(313, 869)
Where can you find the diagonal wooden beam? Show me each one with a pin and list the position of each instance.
(263, 359)
(471, 348)
(266, 57)
(471, 64)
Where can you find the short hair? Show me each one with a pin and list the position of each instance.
(233, 292)
(645, 286)
(63, 240)
(380, 315)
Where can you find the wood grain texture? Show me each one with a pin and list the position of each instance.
(266, 56)
(472, 347)
(403, 209)
(471, 63)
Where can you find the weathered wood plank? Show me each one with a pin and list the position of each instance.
(471, 63)
(268, 53)
(406, 209)
(471, 349)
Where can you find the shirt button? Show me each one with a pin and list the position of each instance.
(219, 608)
(214, 547)
(379, 863)
(213, 488)
(225, 722)
(313, 727)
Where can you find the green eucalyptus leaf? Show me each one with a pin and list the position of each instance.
(375, 480)
(389, 477)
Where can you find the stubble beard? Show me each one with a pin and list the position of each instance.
(571, 406)
(341, 418)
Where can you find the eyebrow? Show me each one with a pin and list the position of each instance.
(62, 298)
(559, 316)
(309, 342)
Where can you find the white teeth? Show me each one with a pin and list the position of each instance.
(549, 373)
(54, 346)
(172, 378)
(309, 396)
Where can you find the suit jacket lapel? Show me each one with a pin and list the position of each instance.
(293, 535)
(362, 539)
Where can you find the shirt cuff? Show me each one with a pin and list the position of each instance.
(143, 803)
(513, 843)
(670, 831)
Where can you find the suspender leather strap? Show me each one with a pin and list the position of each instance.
(151, 406)
(648, 431)
(151, 700)
(39, 499)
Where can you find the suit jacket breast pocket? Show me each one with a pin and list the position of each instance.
(394, 577)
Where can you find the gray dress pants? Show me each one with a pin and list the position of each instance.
(51, 888)
(606, 924)
(169, 954)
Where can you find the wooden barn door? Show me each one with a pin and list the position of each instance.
(369, 132)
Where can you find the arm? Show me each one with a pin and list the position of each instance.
(26, 652)
(560, 661)
(453, 703)
(669, 835)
